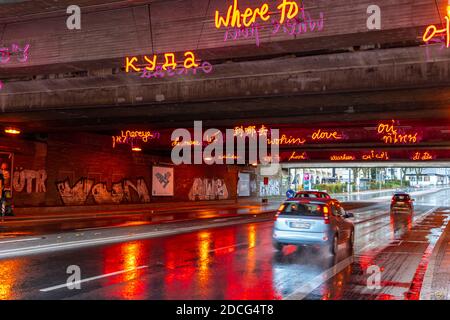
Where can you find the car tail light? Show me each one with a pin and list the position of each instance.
(326, 214)
(280, 209)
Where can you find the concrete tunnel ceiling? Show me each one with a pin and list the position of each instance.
(335, 78)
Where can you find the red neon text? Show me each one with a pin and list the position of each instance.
(326, 135)
(170, 63)
(342, 157)
(392, 136)
(422, 156)
(295, 156)
(372, 155)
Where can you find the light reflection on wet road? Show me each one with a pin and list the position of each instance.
(235, 262)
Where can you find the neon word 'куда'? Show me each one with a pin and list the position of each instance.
(170, 63)
(235, 18)
(432, 30)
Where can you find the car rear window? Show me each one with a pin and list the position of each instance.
(310, 195)
(301, 209)
(401, 197)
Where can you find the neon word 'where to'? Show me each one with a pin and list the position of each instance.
(236, 17)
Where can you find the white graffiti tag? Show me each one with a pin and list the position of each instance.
(24, 178)
(208, 189)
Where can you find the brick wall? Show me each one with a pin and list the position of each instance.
(83, 169)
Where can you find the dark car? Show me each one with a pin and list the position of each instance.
(402, 201)
(314, 221)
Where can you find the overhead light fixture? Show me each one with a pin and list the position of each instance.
(14, 131)
(136, 149)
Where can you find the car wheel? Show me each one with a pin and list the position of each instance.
(278, 246)
(334, 245)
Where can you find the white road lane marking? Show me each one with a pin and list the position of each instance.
(91, 279)
(317, 281)
(115, 239)
(229, 247)
(20, 240)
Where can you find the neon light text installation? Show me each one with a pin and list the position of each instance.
(300, 156)
(372, 155)
(326, 135)
(150, 67)
(6, 52)
(432, 31)
(133, 138)
(301, 24)
(342, 157)
(422, 156)
(237, 18)
(392, 135)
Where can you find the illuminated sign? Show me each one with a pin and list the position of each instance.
(250, 131)
(295, 156)
(372, 155)
(342, 157)
(133, 137)
(326, 135)
(177, 142)
(391, 135)
(422, 156)
(7, 52)
(284, 140)
(13, 131)
(150, 67)
(207, 140)
(301, 24)
(432, 31)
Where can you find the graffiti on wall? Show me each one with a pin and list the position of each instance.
(25, 180)
(208, 189)
(120, 192)
(271, 189)
(76, 194)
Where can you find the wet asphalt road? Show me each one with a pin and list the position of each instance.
(238, 262)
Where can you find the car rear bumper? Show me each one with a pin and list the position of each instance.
(300, 238)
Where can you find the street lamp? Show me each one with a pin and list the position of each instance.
(12, 131)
